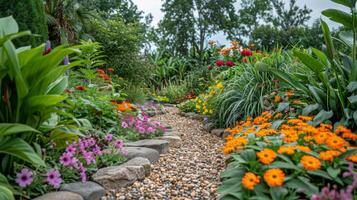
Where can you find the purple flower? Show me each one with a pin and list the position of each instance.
(66, 60)
(83, 176)
(89, 157)
(108, 137)
(71, 149)
(54, 178)
(119, 144)
(66, 159)
(24, 178)
(97, 150)
(124, 125)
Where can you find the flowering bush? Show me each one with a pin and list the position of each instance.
(204, 102)
(287, 158)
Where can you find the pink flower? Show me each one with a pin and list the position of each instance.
(83, 176)
(89, 157)
(230, 63)
(24, 178)
(219, 63)
(108, 137)
(54, 178)
(97, 150)
(119, 144)
(66, 159)
(71, 149)
(151, 130)
(124, 125)
(140, 129)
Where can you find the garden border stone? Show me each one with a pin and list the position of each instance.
(162, 146)
(61, 195)
(88, 190)
(151, 154)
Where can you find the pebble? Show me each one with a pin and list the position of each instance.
(188, 172)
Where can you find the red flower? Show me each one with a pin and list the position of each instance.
(230, 63)
(110, 69)
(219, 63)
(210, 67)
(245, 60)
(68, 91)
(246, 52)
(100, 71)
(47, 51)
(80, 87)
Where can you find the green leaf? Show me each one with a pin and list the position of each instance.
(58, 86)
(339, 17)
(10, 129)
(322, 116)
(348, 3)
(43, 101)
(278, 193)
(352, 99)
(284, 165)
(352, 86)
(328, 40)
(8, 25)
(309, 109)
(347, 37)
(333, 172)
(282, 107)
(315, 65)
(6, 194)
(320, 173)
(301, 183)
(22, 150)
(276, 124)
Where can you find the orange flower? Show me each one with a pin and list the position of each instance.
(266, 132)
(125, 106)
(250, 180)
(265, 125)
(277, 99)
(266, 156)
(110, 69)
(274, 177)
(278, 115)
(290, 136)
(320, 138)
(233, 144)
(295, 121)
(329, 155)
(302, 148)
(336, 142)
(306, 118)
(351, 136)
(352, 158)
(287, 150)
(289, 94)
(310, 163)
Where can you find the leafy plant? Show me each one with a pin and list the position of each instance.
(332, 79)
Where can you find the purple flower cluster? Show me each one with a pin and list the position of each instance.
(24, 178)
(85, 152)
(142, 124)
(328, 193)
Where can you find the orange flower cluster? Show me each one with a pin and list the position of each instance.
(103, 75)
(250, 180)
(329, 155)
(124, 106)
(234, 144)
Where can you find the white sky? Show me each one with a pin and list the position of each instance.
(154, 6)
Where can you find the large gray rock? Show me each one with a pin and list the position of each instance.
(173, 140)
(88, 190)
(60, 196)
(162, 146)
(116, 177)
(151, 154)
(218, 132)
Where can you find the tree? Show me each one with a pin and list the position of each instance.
(251, 15)
(294, 16)
(29, 15)
(188, 23)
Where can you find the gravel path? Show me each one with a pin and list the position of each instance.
(189, 172)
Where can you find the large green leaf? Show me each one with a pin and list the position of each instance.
(309, 109)
(10, 129)
(339, 17)
(347, 37)
(312, 63)
(352, 86)
(58, 86)
(322, 116)
(301, 183)
(8, 25)
(5, 193)
(19, 148)
(328, 40)
(348, 3)
(42, 101)
(353, 99)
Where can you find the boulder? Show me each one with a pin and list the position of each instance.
(88, 190)
(151, 154)
(162, 146)
(218, 132)
(60, 196)
(116, 177)
(174, 140)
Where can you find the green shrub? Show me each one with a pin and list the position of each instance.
(187, 106)
(175, 92)
(29, 15)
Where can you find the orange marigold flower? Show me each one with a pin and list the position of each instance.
(290, 136)
(329, 155)
(320, 138)
(266, 132)
(266, 156)
(125, 106)
(302, 148)
(352, 158)
(306, 118)
(233, 144)
(274, 177)
(294, 121)
(287, 150)
(351, 136)
(289, 94)
(336, 142)
(326, 126)
(250, 180)
(265, 125)
(278, 115)
(277, 99)
(342, 129)
(310, 163)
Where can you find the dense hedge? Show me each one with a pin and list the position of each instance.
(30, 15)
